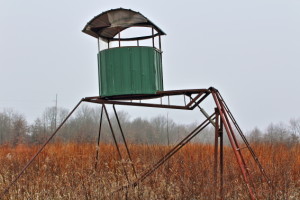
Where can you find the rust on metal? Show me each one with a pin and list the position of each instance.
(109, 23)
(233, 143)
(99, 137)
(222, 118)
(127, 99)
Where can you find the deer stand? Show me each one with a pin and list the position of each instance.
(221, 119)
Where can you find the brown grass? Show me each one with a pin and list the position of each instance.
(66, 171)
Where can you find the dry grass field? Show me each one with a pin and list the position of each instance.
(67, 171)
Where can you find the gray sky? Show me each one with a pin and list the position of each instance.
(249, 50)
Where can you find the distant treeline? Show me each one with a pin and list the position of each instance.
(83, 127)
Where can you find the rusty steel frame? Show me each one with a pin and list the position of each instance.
(124, 140)
(128, 99)
(221, 119)
(99, 137)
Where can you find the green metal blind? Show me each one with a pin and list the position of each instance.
(130, 70)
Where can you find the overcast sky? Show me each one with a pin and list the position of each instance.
(249, 50)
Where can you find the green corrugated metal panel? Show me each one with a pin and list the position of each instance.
(130, 70)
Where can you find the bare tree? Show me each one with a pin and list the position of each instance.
(295, 126)
(13, 127)
(255, 136)
(19, 132)
(160, 128)
(5, 126)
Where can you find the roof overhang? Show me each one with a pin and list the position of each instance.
(108, 24)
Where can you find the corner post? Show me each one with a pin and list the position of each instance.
(221, 161)
(216, 153)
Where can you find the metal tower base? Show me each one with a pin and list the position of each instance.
(221, 119)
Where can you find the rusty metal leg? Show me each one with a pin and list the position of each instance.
(116, 143)
(98, 140)
(125, 143)
(216, 152)
(247, 143)
(221, 161)
(233, 144)
(232, 132)
(39, 151)
(234, 138)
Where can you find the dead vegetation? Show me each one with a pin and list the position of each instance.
(67, 171)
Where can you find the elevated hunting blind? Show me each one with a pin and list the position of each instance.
(134, 72)
(126, 70)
